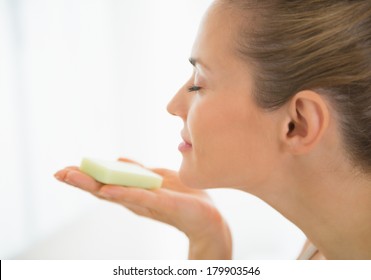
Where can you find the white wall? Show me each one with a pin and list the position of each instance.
(92, 78)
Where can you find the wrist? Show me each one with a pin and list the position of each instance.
(213, 243)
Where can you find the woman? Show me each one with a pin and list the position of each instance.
(279, 106)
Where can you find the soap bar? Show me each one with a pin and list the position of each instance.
(120, 173)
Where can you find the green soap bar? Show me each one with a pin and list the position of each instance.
(120, 173)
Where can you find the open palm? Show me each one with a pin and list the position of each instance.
(187, 209)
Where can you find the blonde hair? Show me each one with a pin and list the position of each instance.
(320, 45)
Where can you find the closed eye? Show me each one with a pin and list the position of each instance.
(194, 88)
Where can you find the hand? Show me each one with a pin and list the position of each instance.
(189, 210)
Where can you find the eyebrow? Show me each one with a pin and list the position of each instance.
(192, 61)
(196, 62)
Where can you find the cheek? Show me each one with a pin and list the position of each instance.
(227, 142)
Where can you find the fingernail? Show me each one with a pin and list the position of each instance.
(105, 194)
(57, 176)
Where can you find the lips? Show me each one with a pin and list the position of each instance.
(186, 139)
(186, 145)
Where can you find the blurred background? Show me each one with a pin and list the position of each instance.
(93, 78)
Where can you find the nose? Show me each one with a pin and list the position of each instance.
(178, 105)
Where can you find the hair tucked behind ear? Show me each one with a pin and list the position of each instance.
(320, 45)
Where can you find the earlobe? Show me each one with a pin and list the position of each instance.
(308, 118)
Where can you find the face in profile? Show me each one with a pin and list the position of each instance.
(228, 140)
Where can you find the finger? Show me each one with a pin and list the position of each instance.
(171, 181)
(157, 202)
(73, 167)
(122, 194)
(152, 204)
(130, 161)
(81, 180)
(61, 174)
(162, 171)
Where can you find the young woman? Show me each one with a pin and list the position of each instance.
(279, 106)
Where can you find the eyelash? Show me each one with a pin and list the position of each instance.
(193, 88)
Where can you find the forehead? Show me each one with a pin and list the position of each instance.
(215, 40)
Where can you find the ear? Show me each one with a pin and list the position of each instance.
(307, 118)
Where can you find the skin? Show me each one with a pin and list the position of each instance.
(293, 158)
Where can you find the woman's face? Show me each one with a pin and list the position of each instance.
(229, 140)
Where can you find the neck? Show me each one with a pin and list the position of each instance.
(333, 208)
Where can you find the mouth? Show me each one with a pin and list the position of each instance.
(186, 145)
